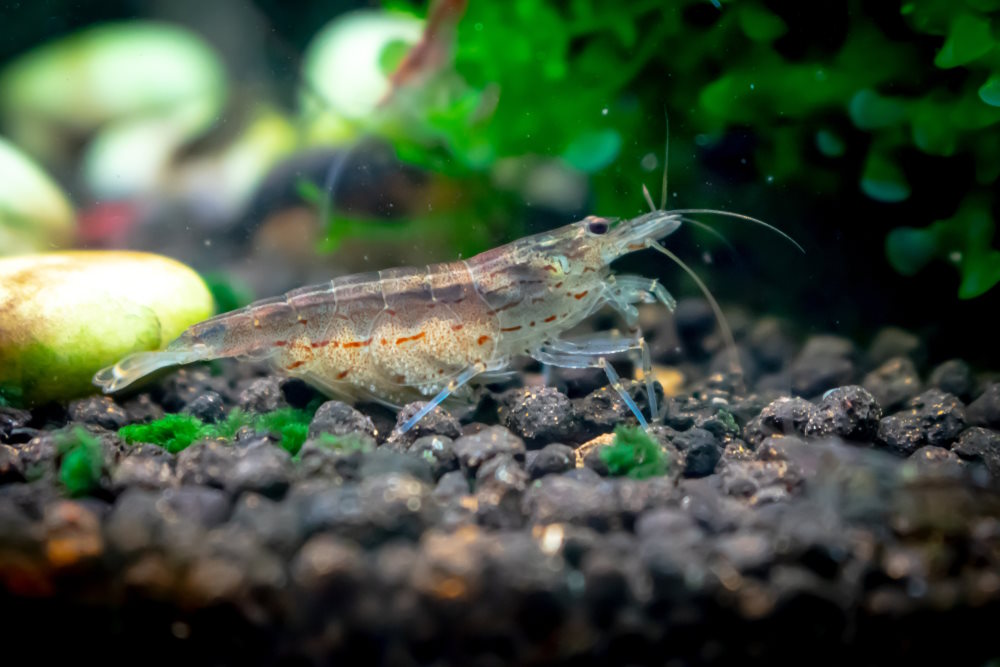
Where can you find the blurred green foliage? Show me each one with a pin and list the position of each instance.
(586, 81)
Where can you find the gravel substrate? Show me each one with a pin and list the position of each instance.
(844, 509)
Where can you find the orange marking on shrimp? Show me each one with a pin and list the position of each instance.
(509, 305)
(256, 324)
(457, 327)
(391, 312)
(294, 365)
(550, 318)
(280, 343)
(558, 284)
(580, 295)
(400, 379)
(482, 339)
(342, 374)
(406, 339)
(508, 329)
(383, 342)
(321, 343)
(303, 322)
(531, 323)
(358, 343)
(550, 267)
(589, 268)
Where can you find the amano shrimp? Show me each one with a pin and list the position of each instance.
(404, 333)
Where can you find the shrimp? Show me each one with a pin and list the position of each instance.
(401, 334)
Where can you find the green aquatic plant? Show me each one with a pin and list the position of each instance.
(82, 461)
(173, 432)
(830, 106)
(634, 454)
(176, 432)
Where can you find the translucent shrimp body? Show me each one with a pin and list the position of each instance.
(399, 334)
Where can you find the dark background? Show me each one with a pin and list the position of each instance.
(843, 284)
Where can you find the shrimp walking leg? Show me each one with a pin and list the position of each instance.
(591, 353)
(614, 344)
(456, 382)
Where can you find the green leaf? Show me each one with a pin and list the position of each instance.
(989, 92)
(883, 181)
(829, 144)
(909, 250)
(871, 111)
(759, 24)
(968, 38)
(593, 151)
(979, 274)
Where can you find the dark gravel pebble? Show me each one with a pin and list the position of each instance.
(550, 459)
(954, 377)
(385, 461)
(823, 363)
(204, 505)
(263, 395)
(985, 410)
(474, 450)
(500, 483)
(785, 416)
(339, 418)
(701, 450)
(936, 461)
(206, 463)
(980, 445)
(892, 342)
(144, 472)
(437, 422)
(12, 420)
(186, 384)
(893, 383)
(99, 411)
(261, 468)
(10, 465)
(562, 499)
(538, 416)
(848, 412)
(438, 451)
(932, 418)
(771, 344)
(209, 407)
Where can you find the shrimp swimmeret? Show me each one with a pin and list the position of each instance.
(399, 334)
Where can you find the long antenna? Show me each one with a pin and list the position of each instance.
(666, 160)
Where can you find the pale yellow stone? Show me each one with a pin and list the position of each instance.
(66, 315)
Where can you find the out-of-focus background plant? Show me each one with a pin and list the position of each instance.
(269, 146)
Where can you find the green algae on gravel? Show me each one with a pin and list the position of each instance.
(80, 470)
(634, 454)
(175, 432)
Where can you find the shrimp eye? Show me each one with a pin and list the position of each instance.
(597, 227)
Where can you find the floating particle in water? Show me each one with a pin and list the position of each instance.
(770, 178)
(604, 111)
(649, 162)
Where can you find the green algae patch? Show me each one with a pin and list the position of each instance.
(176, 432)
(82, 461)
(634, 454)
(66, 315)
(172, 432)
